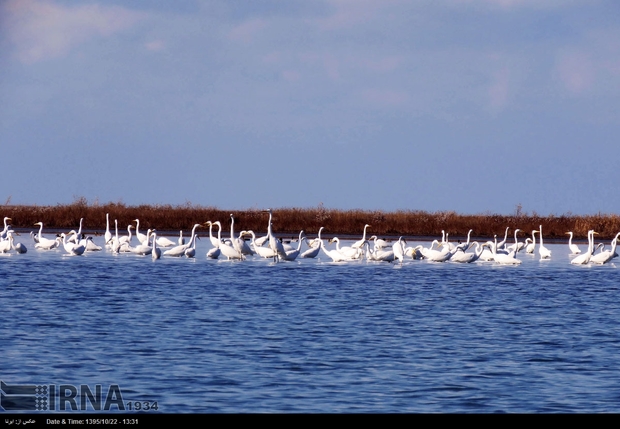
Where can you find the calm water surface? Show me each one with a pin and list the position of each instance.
(314, 336)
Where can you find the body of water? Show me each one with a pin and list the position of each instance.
(310, 336)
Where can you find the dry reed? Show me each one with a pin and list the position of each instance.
(289, 221)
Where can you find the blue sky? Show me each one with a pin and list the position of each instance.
(467, 105)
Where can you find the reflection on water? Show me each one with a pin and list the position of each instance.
(200, 335)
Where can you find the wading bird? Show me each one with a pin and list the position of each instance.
(542, 250)
(573, 247)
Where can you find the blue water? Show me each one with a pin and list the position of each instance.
(314, 336)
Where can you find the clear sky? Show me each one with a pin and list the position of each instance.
(464, 105)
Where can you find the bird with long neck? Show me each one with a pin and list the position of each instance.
(314, 249)
(573, 247)
(3, 233)
(532, 246)
(399, 250)
(45, 243)
(274, 244)
(116, 244)
(605, 256)
(542, 250)
(141, 237)
(108, 235)
(215, 252)
(155, 251)
(263, 252)
(179, 250)
(291, 255)
(465, 245)
(502, 243)
(75, 238)
(584, 258)
(360, 243)
(190, 252)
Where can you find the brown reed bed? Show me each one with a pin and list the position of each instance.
(289, 221)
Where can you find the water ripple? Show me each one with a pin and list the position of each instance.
(314, 336)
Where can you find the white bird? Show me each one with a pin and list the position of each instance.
(468, 258)
(442, 256)
(181, 240)
(274, 243)
(487, 251)
(180, 250)
(155, 252)
(230, 252)
(584, 258)
(314, 247)
(334, 254)
(215, 242)
(141, 237)
(379, 254)
(165, 242)
(45, 243)
(399, 250)
(238, 242)
(264, 252)
(3, 233)
(465, 246)
(115, 242)
(412, 252)
(190, 252)
(144, 248)
(287, 245)
(18, 247)
(430, 252)
(379, 242)
(573, 247)
(532, 246)
(502, 243)
(215, 252)
(517, 246)
(503, 258)
(607, 255)
(360, 243)
(108, 235)
(90, 245)
(75, 237)
(291, 255)
(5, 245)
(347, 251)
(513, 249)
(262, 240)
(542, 250)
(176, 250)
(126, 239)
(445, 241)
(72, 248)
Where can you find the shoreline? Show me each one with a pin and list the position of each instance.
(288, 222)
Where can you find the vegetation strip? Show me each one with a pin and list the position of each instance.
(286, 220)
